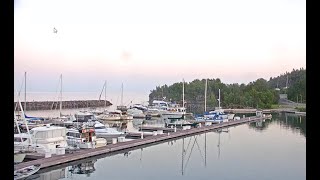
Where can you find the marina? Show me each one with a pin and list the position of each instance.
(169, 90)
(51, 161)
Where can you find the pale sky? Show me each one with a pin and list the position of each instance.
(145, 43)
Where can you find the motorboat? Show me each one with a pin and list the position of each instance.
(106, 132)
(110, 115)
(136, 113)
(46, 139)
(26, 171)
(85, 137)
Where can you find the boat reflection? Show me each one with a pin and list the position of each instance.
(51, 175)
(83, 168)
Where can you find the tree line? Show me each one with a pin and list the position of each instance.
(257, 94)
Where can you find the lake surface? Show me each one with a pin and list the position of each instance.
(269, 150)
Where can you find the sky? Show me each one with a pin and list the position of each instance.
(144, 44)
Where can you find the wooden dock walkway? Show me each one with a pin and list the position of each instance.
(136, 135)
(60, 159)
(152, 128)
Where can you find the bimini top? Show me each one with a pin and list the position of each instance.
(159, 103)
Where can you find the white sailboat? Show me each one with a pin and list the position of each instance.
(123, 108)
(43, 140)
(218, 114)
(108, 115)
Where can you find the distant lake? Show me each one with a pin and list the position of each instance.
(270, 150)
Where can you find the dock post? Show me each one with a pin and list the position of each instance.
(114, 140)
(244, 116)
(175, 126)
(142, 135)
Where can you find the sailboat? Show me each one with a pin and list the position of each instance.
(123, 108)
(107, 115)
(44, 140)
(30, 119)
(218, 115)
(67, 119)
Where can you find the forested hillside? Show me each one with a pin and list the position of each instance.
(257, 94)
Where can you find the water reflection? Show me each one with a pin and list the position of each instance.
(52, 175)
(213, 154)
(82, 168)
(186, 156)
(293, 122)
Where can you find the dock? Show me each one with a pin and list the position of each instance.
(152, 128)
(120, 146)
(136, 135)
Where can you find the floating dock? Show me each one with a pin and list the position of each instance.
(86, 153)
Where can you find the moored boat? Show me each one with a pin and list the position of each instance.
(26, 171)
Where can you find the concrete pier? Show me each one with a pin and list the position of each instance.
(52, 105)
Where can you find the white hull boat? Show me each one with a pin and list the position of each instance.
(106, 132)
(19, 157)
(25, 172)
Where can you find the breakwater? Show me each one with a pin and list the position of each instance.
(52, 105)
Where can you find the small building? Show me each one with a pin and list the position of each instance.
(283, 96)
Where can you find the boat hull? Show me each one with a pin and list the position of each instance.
(172, 116)
(19, 157)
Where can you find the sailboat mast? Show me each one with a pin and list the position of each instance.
(105, 94)
(122, 94)
(25, 90)
(60, 94)
(205, 96)
(24, 119)
(219, 98)
(183, 93)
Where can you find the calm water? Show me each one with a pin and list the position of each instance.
(274, 149)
